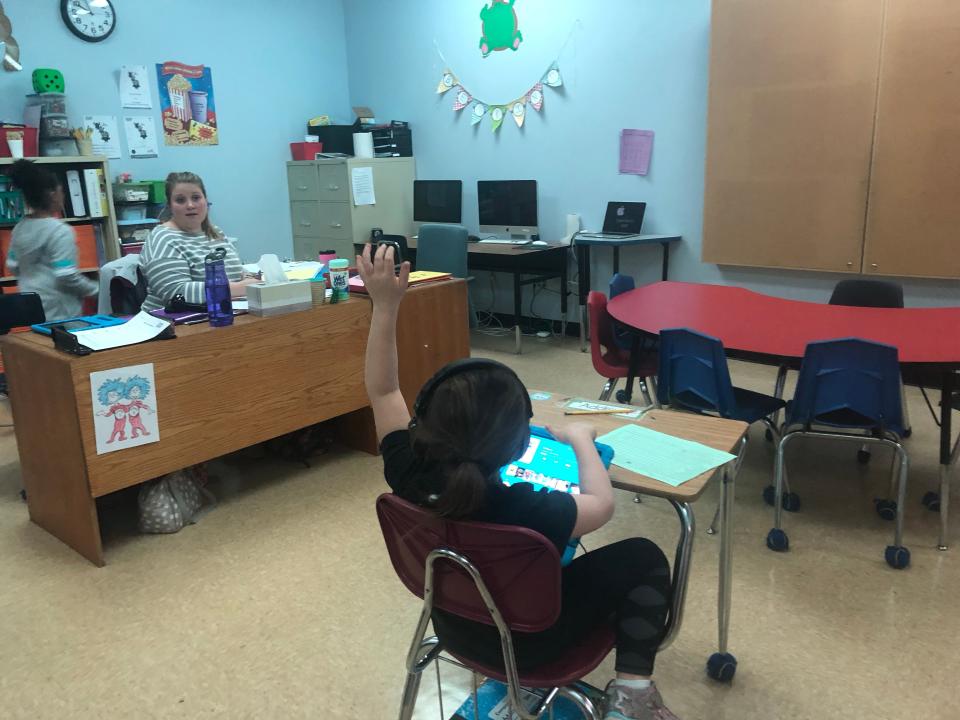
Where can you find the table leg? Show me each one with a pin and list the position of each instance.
(583, 289)
(665, 253)
(634, 370)
(517, 310)
(563, 294)
(616, 259)
(946, 411)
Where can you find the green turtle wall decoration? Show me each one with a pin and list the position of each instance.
(499, 27)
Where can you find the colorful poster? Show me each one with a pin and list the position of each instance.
(124, 407)
(104, 134)
(141, 136)
(186, 103)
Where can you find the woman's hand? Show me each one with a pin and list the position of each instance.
(384, 287)
(574, 432)
(239, 289)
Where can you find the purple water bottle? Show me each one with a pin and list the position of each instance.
(217, 289)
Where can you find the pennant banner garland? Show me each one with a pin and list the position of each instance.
(463, 98)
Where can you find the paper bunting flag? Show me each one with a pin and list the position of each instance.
(496, 118)
(462, 100)
(446, 82)
(535, 96)
(552, 78)
(519, 111)
(479, 110)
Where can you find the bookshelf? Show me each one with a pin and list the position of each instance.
(105, 226)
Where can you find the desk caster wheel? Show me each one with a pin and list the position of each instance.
(777, 540)
(623, 398)
(886, 509)
(790, 500)
(863, 456)
(931, 501)
(897, 557)
(722, 667)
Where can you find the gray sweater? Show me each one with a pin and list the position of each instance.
(43, 256)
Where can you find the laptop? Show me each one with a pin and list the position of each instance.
(622, 220)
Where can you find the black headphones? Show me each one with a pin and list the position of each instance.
(456, 368)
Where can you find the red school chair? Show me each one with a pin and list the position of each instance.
(609, 360)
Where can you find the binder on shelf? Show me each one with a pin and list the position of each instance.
(88, 255)
(95, 184)
(75, 194)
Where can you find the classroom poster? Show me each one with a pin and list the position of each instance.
(141, 136)
(135, 87)
(124, 407)
(187, 105)
(105, 135)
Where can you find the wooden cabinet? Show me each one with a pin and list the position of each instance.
(913, 223)
(322, 212)
(831, 136)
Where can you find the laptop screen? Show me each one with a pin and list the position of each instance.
(624, 217)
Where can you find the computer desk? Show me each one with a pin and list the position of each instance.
(776, 331)
(218, 390)
(727, 435)
(583, 245)
(529, 264)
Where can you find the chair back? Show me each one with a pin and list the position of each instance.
(520, 567)
(20, 310)
(849, 383)
(868, 293)
(601, 338)
(442, 248)
(693, 372)
(620, 284)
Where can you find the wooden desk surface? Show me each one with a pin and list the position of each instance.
(715, 432)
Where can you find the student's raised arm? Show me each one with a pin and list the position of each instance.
(381, 374)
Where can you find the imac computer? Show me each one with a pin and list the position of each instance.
(437, 201)
(508, 207)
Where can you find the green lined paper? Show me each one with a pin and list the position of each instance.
(662, 457)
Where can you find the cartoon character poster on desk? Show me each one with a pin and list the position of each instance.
(125, 411)
(187, 105)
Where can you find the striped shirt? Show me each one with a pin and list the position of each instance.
(43, 257)
(173, 264)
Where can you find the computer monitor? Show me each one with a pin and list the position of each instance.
(437, 201)
(508, 207)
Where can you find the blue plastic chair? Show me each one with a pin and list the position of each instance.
(851, 385)
(620, 284)
(443, 248)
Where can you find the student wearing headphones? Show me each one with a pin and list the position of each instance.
(471, 419)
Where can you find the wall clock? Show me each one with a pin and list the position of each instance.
(89, 20)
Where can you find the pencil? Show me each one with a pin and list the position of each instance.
(605, 411)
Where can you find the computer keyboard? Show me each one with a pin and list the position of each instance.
(504, 241)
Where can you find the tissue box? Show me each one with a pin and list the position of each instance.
(275, 298)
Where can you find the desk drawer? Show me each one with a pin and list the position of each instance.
(333, 184)
(303, 182)
(306, 248)
(316, 219)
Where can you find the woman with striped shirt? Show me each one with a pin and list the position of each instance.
(173, 257)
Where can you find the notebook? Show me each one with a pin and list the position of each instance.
(355, 283)
(621, 220)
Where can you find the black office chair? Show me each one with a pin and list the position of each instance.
(18, 310)
(868, 293)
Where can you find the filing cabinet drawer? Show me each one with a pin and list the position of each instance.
(315, 219)
(332, 183)
(303, 182)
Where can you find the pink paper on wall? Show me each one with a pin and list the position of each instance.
(636, 147)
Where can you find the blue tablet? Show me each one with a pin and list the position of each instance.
(85, 322)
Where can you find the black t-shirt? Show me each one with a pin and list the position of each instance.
(552, 514)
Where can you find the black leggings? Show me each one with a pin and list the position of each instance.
(626, 583)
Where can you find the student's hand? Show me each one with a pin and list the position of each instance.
(239, 289)
(574, 432)
(384, 287)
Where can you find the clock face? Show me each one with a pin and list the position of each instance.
(90, 20)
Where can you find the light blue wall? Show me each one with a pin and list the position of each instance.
(629, 63)
(274, 64)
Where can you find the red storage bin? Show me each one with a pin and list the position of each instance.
(30, 148)
(305, 150)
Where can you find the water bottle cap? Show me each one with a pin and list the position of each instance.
(216, 256)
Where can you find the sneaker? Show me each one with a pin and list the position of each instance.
(624, 703)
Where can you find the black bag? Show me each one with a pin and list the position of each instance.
(178, 304)
(126, 298)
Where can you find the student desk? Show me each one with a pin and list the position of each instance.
(218, 390)
(726, 435)
(528, 264)
(583, 245)
(776, 331)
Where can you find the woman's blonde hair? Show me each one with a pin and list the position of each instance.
(176, 178)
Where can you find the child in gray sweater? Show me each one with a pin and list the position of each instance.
(43, 250)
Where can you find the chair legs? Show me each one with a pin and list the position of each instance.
(608, 389)
(897, 556)
(426, 650)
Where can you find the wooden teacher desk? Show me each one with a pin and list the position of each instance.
(218, 390)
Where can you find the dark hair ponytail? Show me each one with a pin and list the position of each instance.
(36, 182)
(476, 422)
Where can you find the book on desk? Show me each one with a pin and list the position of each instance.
(355, 284)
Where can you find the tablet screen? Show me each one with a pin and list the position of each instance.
(547, 463)
(73, 324)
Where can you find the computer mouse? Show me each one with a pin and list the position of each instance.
(539, 242)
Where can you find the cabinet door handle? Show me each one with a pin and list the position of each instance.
(333, 188)
(336, 225)
(302, 187)
(304, 223)
(849, 264)
(873, 265)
